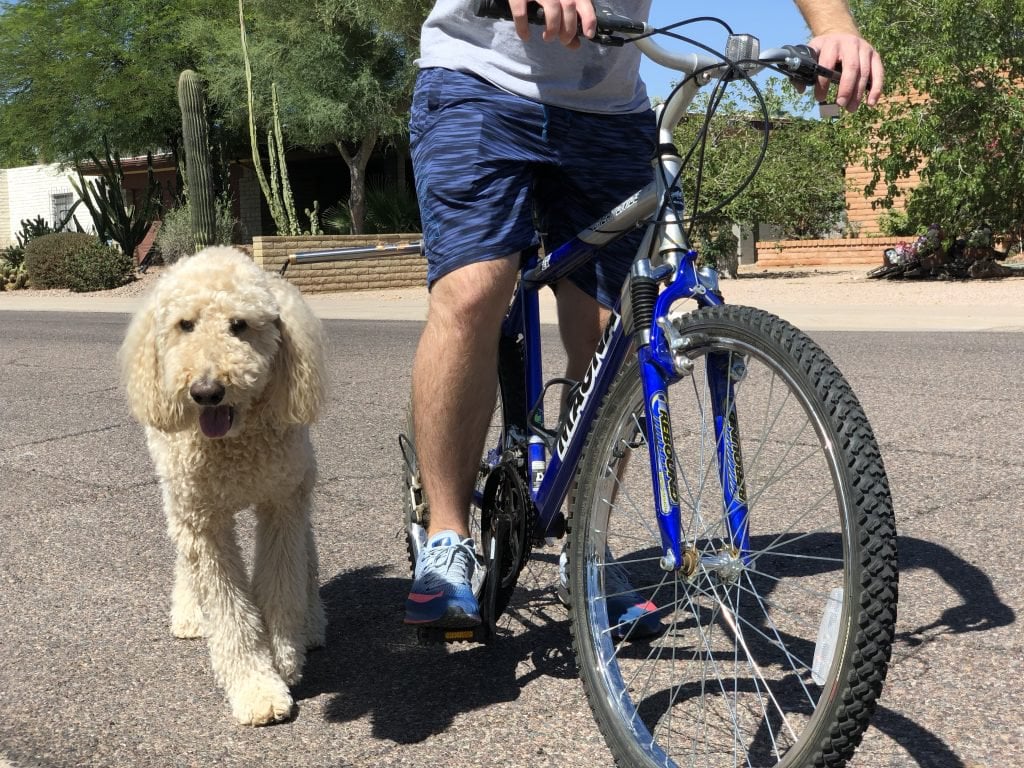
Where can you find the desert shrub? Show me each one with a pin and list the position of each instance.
(99, 267)
(77, 261)
(12, 256)
(12, 277)
(175, 238)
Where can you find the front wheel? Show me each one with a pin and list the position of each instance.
(773, 653)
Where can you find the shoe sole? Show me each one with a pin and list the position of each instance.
(453, 618)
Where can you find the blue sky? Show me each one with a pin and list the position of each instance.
(775, 22)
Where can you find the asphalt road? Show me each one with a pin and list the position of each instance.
(90, 676)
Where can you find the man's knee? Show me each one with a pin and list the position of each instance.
(473, 297)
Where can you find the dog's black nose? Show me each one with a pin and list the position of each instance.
(206, 392)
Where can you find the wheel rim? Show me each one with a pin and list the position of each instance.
(730, 681)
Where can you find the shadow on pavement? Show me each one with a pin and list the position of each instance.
(372, 663)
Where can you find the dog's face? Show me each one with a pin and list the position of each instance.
(218, 347)
(220, 342)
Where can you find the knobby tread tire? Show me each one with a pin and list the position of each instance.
(870, 502)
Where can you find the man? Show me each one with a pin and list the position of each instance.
(505, 120)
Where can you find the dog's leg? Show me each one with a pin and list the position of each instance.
(186, 616)
(281, 576)
(316, 619)
(239, 651)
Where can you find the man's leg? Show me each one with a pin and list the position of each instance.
(454, 386)
(581, 322)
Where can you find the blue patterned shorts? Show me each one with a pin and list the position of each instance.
(487, 161)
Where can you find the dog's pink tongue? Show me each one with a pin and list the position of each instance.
(216, 421)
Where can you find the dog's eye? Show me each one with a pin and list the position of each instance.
(186, 325)
(238, 327)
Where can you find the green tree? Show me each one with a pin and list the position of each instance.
(341, 82)
(73, 71)
(966, 137)
(799, 186)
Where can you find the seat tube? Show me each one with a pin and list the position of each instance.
(723, 371)
(537, 455)
(664, 475)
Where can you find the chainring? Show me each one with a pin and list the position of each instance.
(507, 500)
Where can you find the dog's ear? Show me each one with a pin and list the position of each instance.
(299, 375)
(139, 361)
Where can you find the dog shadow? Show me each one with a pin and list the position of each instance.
(372, 664)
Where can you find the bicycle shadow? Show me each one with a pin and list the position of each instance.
(980, 609)
(375, 666)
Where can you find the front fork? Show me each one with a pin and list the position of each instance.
(663, 361)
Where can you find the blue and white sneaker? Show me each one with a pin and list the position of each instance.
(442, 592)
(630, 615)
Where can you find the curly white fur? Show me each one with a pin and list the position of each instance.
(223, 365)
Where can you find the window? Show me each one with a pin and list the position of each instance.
(62, 203)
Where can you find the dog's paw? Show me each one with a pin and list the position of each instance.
(261, 700)
(186, 625)
(186, 615)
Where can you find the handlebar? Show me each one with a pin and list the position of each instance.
(798, 62)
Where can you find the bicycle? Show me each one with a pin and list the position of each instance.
(772, 558)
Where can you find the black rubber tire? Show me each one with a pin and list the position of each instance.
(810, 459)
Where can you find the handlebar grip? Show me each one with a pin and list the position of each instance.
(808, 70)
(499, 9)
(608, 22)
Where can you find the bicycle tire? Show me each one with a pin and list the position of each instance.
(732, 680)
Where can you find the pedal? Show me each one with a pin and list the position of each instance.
(481, 633)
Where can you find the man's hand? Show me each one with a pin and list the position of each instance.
(862, 73)
(564, 20)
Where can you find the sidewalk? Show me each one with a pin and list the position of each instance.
(811, 300)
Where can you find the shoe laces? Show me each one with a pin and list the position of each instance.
(452, 562)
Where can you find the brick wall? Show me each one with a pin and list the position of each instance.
(365, 273)
(861, 251)
(859, 210)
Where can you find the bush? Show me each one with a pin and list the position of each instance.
(175, 238)
(895, 223)
(77, 261)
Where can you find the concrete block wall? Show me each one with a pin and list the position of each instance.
(365, 273)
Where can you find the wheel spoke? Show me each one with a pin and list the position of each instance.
(728, 681)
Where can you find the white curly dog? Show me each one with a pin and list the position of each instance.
(223, 365)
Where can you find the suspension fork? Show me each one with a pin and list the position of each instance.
(660, 447)
(725, 369)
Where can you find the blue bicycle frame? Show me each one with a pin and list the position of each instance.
(550, 476)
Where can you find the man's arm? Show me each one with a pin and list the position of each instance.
(837, 40)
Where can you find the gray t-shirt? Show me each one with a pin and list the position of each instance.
(592, 78)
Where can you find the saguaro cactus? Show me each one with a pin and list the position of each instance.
(198, 168)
